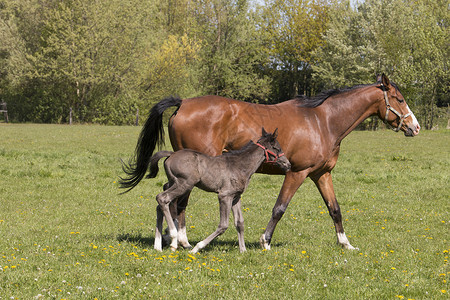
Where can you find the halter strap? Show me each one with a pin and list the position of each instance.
(389, 108)
(267, 152)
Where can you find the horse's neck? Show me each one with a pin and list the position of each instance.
(250, 161)
(348, 110)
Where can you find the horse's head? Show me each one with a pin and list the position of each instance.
(272, 150)
(394, 110)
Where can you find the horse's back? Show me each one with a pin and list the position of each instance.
(210, 124)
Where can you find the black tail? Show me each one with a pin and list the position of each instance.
(154, 162)
(152, 133)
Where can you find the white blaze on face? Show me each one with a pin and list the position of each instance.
(415, 122)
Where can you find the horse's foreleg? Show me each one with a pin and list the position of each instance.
(325, 185)
(292, 182)
(239, 222)
(225, 207)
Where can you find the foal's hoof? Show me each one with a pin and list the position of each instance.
(186, 246)
(349, 247)
(263, 242)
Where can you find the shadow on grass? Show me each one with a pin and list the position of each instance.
(148, 242)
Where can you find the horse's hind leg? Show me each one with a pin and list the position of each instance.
(239, 222)
(159, 227)
(225, 207)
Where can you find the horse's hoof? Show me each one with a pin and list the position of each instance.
(188, 246)
(264, 244)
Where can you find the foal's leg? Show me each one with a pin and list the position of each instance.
(292, 182)
(159, 228)
(181, 204)
(164, 199)
(239, 222)
(225, 206)
(325, 185)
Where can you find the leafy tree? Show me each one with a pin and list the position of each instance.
(165, 69)
(232, 53)
(347, 57)
(296, 28)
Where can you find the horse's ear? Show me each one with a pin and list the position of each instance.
(264, 132)
(385, 80)
(378, 78)
(275, 133)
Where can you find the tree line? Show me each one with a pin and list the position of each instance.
(106, 59)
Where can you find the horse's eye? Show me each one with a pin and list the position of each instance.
(401, 100)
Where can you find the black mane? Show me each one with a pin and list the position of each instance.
(311, 102)
(241, 150)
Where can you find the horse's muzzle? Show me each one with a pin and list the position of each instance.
(412, 130)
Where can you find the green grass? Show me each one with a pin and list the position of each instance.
(65, 233)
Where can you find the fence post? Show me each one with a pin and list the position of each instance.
(137, 117)
(70, 116)
(4, 110)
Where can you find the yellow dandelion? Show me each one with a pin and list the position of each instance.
(443, 291)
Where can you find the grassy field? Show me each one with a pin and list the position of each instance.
(67, 234)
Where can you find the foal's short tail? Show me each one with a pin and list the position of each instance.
(154, 162)
(152, 133)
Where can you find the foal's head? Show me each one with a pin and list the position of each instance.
(272, 150)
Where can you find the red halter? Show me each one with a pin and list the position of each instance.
(267, 152)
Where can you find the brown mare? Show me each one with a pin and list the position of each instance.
(310, 132)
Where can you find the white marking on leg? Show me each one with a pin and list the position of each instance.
(198, 247)
(343, 241)
(264, 243)
(182, 238)
(158, 243)
(174, 244)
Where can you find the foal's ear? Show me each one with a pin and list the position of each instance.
(275, 133)
(264, 132)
